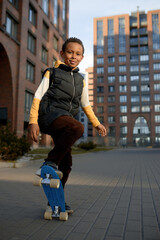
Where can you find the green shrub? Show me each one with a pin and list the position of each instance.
(11, 147)
(87, 145)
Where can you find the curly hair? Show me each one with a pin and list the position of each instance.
(72, 39)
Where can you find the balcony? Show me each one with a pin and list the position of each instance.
(133, 41)
(143, 31)
(134, 33)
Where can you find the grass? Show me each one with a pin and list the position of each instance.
(41, 153)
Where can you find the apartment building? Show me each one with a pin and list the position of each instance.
(31, 35)
(89, 76)
(127, 76)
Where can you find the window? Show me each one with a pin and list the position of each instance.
(100, 79)
(112, 131)
(100, 70)
(144, 68)
(100, 41)
(45, 30)
(111, 59)
(123, 119)
(111, 79)
(156, 76)
(133, 50)
(100, 99)
(111, 119)
(111, 88)
(134, 99)
(157, 87)
(134, 78)
(100, 60)
(122, 68)
(157, 129)
(28, 101)
(14, 3)
(123, 98)
(155, 31)
(111, 109)
(123, 109)
(135, 109)
(11, 26)
(145, 109)
(45, 6)
(145, 88)
(157, 107)
(44, 55)
(123, 88)
(156, 56)
(134, 68)
(144, 58)
(122, 37)
(157, 118)
(156, 97)
(55, 17)
(145, 78)
(55, 43)
(100, 109)
(122, 78)
(101, 119)
(30, 71)
(134, 88)
(111, 42)
(111, 99)
(122, 58)
(64, 16)
(145, 98)
(32, 15)
(123, 129)
(156, 66)
(111, 69)
(31, 44)
(100, 89)
(140, 126)
(134, 58)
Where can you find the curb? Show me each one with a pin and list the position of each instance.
(19, 164)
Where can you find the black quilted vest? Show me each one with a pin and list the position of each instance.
(62, 98)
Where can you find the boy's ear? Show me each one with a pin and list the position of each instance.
(61, 53)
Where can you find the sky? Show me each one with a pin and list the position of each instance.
(82, 13)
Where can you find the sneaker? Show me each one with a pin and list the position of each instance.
(51, 164)
(68, 209)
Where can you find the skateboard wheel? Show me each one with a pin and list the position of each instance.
(63, 216)
(37, 181)
(54, 183)
(48, 215)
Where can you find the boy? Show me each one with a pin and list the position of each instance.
(54, 108)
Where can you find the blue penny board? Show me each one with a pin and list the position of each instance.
(55, 196)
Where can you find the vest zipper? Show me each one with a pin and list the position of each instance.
(73, 91)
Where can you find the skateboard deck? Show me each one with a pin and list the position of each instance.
(53, 190)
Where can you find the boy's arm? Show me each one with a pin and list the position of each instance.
(33, 129)
(90, 114)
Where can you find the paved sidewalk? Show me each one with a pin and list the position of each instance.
(115, 196)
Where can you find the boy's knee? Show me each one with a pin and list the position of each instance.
(78, 129)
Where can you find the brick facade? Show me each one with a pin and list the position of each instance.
(30, 19)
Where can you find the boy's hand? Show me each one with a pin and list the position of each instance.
(102, 130)
(33, 132)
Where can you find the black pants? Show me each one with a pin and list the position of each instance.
(65, 130)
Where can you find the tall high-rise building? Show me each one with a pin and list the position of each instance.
(127, 76)
(89, 76)
(31, 35)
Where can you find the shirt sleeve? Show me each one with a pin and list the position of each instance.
(43, 87)
(87, 107)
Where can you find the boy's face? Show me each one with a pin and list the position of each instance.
(73, 54)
